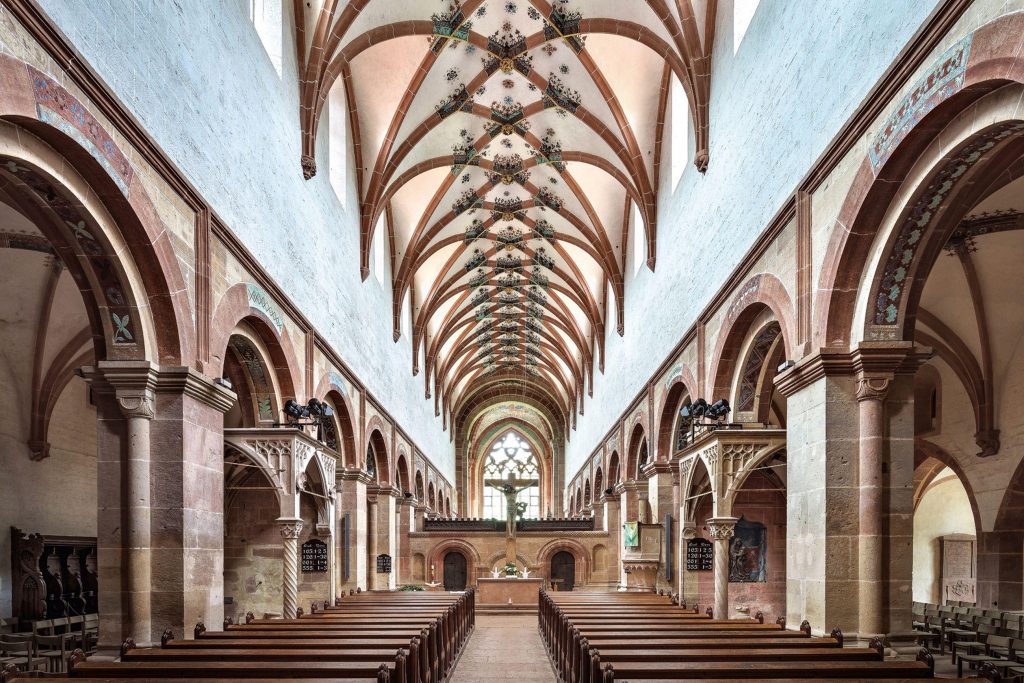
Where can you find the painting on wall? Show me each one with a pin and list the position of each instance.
(747, 552)
(631, 535)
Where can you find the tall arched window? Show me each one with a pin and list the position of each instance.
(511, 454)
(371, 462)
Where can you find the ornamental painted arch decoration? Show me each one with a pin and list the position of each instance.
(95, 204)
(859, 298)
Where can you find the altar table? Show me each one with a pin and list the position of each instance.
(502, 591)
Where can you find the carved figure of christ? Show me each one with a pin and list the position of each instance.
(510, 488)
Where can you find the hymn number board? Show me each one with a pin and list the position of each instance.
(314, 556)
(699, 555)
(383, 564)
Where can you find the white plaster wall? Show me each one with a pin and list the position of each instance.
(231, 123)
(799, 73)
(56, 495)
(197, 77)
(944, 509)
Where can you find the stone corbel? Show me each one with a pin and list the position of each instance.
(988, 442)
(324, 530)
(689, 533)
(290, 527)
(38, 449)
(721, 528)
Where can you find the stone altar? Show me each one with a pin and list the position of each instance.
(504, 591)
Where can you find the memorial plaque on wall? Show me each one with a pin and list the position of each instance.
(314, 556)
(383, 564)
(700, 555)
(958, 568)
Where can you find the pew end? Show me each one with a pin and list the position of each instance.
(166, 636)
(837, 633)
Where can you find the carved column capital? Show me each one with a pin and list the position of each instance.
(689, 533)
(290, 527)
(136, 403)
(721, 528)
(872, 388)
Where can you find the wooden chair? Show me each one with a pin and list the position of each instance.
(90, 632)
(994, 645)
(20, 652)
(42, 627)
(55, 649)
(977, 644)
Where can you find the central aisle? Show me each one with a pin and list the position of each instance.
(504, 648)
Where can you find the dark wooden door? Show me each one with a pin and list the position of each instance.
(563, 570)
(455, 572)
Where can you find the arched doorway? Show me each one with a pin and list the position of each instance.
(454, 571)
(563, 570)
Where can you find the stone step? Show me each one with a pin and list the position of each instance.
(506, 609)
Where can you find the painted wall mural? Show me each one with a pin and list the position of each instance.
(748, 551)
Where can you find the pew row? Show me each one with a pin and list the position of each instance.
(388, 638)
(600, 638)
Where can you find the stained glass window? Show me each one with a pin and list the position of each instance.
(511, 454)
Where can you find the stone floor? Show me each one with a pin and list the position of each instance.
(504, 648)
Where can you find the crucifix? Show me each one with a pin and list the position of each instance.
(510, 488)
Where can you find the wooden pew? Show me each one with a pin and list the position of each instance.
(386, 637)
(601, 638)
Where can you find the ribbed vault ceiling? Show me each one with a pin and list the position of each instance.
(503, 145)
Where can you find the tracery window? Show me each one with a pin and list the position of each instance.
(371, 463)
(511, 454)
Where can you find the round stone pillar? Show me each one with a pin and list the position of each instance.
(871, 392)
(721, 530)
(290, 530)
(137, 407)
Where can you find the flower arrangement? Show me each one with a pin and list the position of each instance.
(510, 569)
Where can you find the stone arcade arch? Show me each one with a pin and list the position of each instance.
(279, 483)
(64, 173)
(910, 195)
(382, 501)
(678, 395)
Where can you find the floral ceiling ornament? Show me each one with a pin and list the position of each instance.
(509, 237)
(542, 229)
(509, 263)
(467, 201)
(449, 24)
(457, 101)
(565, 23)
(476, 260)
(549, 199)
(508, 169)
(475, 230)
(558, 94)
